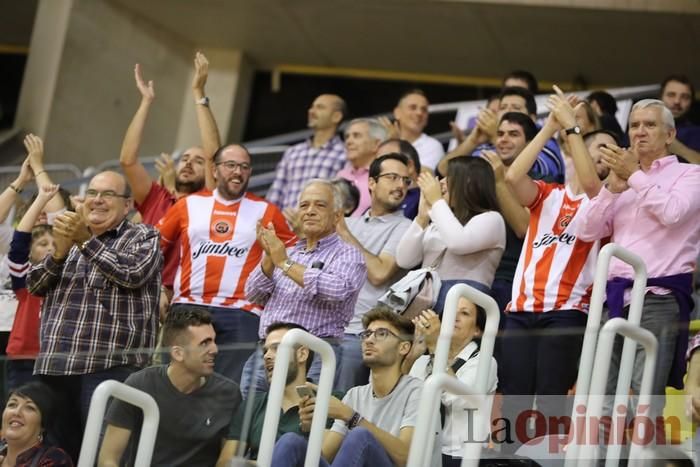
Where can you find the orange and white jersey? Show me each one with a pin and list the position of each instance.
(556, 269)
(218, 247)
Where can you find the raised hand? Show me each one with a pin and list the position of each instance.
(166, 170)
(35, 152)
(25, 175)
(561, 108)
(457, 132)
(487, 123)
(430, 188)
(47, 192)
(621, 161)
(499, 170)
(201, 73)
(146, 89)
(393, 129)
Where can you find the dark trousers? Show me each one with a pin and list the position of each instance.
(73, 394)
(19, 372)
(540, 353)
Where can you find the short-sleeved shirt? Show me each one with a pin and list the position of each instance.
(289, 422)
(430, 151)
(192, 426)
(391, 413)
(377, 234)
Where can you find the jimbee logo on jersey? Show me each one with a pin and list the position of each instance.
(219, 249)
(221, 228)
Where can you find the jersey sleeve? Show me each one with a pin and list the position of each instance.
(171, 224)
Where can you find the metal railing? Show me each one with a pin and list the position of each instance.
(292, 338)
(98, 405)
(588, 349)
(633, 333)
(422, 443)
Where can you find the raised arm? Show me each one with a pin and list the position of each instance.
(583, 164)
(483, 132)
(380, 267)
(43, 196)
(516, 215)
(524, 188)
(136, 174)
(9, 195)
(205, 119)
(35, 153)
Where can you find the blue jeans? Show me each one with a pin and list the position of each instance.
(236, 338)
(254, 376)
(445, 287)
(359, 449)
(353, 371)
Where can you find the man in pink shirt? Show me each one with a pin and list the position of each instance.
(362, 139)
(650, 205)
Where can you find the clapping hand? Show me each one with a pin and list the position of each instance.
(146, 89)
(430, 188)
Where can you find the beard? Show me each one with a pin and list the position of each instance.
(188, 187)
(229, 194)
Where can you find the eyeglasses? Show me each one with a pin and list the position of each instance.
(395, 178)
(232, 165)
(379, 334)
(107, 195)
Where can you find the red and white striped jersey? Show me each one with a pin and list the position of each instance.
(218, 248)
(556, 269)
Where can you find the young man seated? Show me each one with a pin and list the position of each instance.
(195, 403)
(375, 422)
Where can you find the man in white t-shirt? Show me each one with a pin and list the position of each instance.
(374, 421)
(412, 115)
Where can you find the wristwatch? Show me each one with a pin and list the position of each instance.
(203, 101)
(81, 247)
(574, 130)
(288, 263)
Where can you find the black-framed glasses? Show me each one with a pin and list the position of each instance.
(379, 334)
(393, 177)
(106, 194)
(233, 165)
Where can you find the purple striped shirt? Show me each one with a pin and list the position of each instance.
(326, 303)
(301, 163)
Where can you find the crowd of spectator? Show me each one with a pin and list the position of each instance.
(204, 270)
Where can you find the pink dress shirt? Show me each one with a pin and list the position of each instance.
(657, 218)
(360, 178)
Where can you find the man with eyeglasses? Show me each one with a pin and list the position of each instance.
(101, 288)
(217, 232)
(374, 423)
(362, 139)
(376, 234)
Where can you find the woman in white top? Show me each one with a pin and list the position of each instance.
(463, 221)
(462, 362)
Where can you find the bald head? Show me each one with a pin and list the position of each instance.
(107, 201)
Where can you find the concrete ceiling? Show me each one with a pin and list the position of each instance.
(630, 44)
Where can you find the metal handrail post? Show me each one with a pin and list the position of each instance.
(292, 338)
(418, 455)
(441, 354)
(98, 406)
(594, 411)
(595, 312)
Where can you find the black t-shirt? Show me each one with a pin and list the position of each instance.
(192, 426)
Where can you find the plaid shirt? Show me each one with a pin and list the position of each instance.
(326, 303)
(101, 303)
(301, 163)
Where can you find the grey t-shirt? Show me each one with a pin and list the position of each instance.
(377, 234)
(192, 426)
(397, 410)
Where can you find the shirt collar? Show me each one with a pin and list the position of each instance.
(663, 162)
(385, 218)
(325, 242)
(117, 231)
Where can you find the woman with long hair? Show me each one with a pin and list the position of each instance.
(458, 227)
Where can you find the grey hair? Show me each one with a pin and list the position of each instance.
(376, 130)
(666, 114)
(337, 194)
